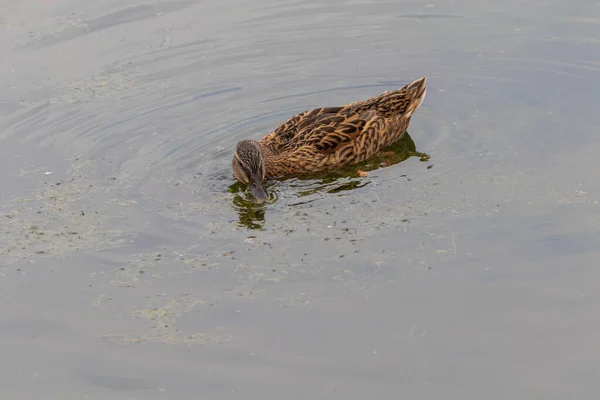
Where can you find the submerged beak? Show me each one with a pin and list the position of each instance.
(258, 191)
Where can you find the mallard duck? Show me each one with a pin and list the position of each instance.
(327, 138)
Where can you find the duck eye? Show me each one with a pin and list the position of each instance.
(246, 174)
(240, 171)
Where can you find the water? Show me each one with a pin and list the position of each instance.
(133, 267)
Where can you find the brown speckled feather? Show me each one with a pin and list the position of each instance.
(325, 138)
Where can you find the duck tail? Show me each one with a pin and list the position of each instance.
(403, 101)
(415, 94)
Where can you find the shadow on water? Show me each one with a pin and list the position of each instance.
(252, 215)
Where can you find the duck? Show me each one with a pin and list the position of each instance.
(327, 138)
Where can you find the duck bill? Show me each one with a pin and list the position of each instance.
(258, 191)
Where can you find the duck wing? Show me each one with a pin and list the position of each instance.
(280, 138)
(330, 132)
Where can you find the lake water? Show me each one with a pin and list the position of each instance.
(132, 266)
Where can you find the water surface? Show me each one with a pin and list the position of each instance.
(131, 268)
